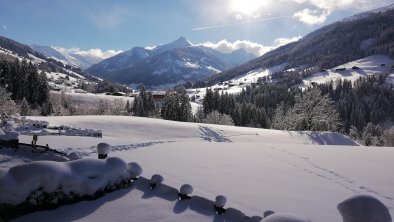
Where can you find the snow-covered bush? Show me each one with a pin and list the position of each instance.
(363, 208)
(285, 217)
(45, 184)
(218, 118)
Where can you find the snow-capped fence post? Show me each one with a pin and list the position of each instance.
(185, 191)
(155, 180)
(364, 208)
(103, 150)
(220, 201)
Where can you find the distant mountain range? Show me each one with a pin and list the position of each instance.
(72, 59)
(166, 65)
(365, 34)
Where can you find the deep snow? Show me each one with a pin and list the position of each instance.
(256, 169)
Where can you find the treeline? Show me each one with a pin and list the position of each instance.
(25, 84)
(355, 109)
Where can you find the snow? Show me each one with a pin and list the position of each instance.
(82, 177)
(186, 189)
(363, 208)
(35, 59)
(235, 85)
(90, 98)
(368, 66)
(213, 69)
(256, 169)
(103, 148)
(9, 136)
(285, 217)
(220, 201)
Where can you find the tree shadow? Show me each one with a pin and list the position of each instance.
(325, 138)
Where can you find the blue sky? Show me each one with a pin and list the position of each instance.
(123, 24)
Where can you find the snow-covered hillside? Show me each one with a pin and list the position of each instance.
(72, 59)
(372, 65)
(256, 169)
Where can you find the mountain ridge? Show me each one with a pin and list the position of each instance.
(176, 62)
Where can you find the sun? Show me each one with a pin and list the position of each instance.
(246, 7)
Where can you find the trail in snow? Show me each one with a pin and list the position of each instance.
(332, 176)
(209, 134)
(83, 152)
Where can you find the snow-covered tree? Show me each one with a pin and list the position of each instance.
(25, 107)
(372, 135)
(313, 111)
(217, 118)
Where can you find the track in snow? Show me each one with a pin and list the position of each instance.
(208, 134)
(332, 176)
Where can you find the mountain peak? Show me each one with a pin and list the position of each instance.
(183, 41)
(180, 43)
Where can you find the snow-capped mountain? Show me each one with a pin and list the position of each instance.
(365, 34)
(72, 59)
(168, 64)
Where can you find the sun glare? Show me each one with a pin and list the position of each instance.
(246, 7)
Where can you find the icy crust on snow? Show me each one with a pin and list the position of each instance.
(81, 177)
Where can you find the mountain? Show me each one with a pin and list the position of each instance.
(365, 34)
(72, 59)
(59, 72)
(169, 64)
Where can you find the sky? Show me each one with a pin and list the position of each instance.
(104, 28)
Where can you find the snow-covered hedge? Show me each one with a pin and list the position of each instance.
(45, 184)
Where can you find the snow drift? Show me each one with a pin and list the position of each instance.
(81, 177)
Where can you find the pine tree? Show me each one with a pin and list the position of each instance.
(25, 107)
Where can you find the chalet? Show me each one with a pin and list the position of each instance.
(158, 95)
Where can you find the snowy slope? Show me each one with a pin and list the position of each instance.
(72, 59)
(51, 52)
(256, 169)
(372, 65)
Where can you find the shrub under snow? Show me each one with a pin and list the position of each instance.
(79, 177)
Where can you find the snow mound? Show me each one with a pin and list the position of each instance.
(285, 217)
(364, 208)
(186, 189)
(220, 201)
(81, 177)
(103, 148)
(8, 136)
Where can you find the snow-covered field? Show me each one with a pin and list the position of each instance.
(256, 169)
(90, 98)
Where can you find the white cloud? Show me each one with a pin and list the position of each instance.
(321, 9)
(312, 17)
(257, 49)
(92, 53)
